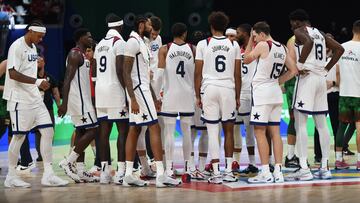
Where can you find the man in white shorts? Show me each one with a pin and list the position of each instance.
(26, 106)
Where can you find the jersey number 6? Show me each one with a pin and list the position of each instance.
(220, 63)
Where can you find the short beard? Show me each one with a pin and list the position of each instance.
(146, 34)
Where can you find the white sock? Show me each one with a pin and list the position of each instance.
(186, 166)
(80, 166)
(324, 163)
(237, 156)
(192, 163)
(358, 156)
(271, 159)
(104, 166)
(46, 140)
(48, 168)
(214, 144)
(291, 151)
(159, 168)
(144, 162)
(13, 153)
(121, 168)
(185, 124)
(265, 168)
(277, 168)
(169, 167)
(228, 161)
(202, 163)
(324, 134)
(252, 160)
(216, 168)
(72, 157)
(129, 168)
(303, 163)
(338, 156)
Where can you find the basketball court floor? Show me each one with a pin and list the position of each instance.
(344, 187)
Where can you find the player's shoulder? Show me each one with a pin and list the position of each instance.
(202, 43)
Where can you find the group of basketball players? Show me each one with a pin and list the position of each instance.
(142, 85)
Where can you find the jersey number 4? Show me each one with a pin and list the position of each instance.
(180, 69)
(102, 67)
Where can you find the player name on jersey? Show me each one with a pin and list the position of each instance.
(185, 54)
(220, 48)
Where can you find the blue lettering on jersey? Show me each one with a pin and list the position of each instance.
(32, 57)
(154, 47)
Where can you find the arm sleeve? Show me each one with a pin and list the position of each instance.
(132, 47)
(199, 50)
(237, 51)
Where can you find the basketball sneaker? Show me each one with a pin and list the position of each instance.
(15, 181)
(70, 170)
(340, 165)
(229, 177)
(26, 169)
(209, 168)
(235, 166)
(94, 169)
(278, 177)
(87, 177)
(118, 178)
(147, 173)
(166, 181)
(197, 175)
(262, 178)
(323, 174)
(300, 174)
(131, 180)
(51, 180)
(292, 163)
(216, 179)
(251, 170)
(105, 177)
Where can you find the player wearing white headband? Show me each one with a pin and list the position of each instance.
(231, 34)
(26, 106)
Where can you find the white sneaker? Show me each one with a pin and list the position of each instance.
(166, 181)
(118, 178)
(197, 175)
(15, 181)
(262, 178)
(52, 180)
(70, 170)
(105, 177)
(323, 174)
(87, 177)
(152, 165)
(300, 175)
(25, 169)
(278, 177)
(216, 179)
(147, 173)
(94, 169)
(229, 177)
(131, 180)
(206, 173)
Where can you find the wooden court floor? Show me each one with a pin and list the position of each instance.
(345, 187)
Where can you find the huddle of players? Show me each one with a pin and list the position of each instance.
(228, 81)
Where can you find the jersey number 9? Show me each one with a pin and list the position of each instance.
(102, 64)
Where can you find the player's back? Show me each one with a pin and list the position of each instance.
(247, 73)
(79, 101)
(107, 82)
(316, 61)
(179, 75)
(219, 55)
(265, 84)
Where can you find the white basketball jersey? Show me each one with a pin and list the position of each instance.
(247, 73)
(108, 90)
(349, 65)
(265, 84)
(79, 100)
(218, 55)
(154, 47)
(179, 79)
(316, 61)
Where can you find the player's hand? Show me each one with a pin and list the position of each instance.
(135, 109)
(283, 90)
(45, 85)
(329, 84)
(158, 104)
(237, 103)
(304, 72)
(199, 103)
(62, 110)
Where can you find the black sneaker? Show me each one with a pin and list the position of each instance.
(347, 152)
(292, 163)
(251, 170)
(39, 159)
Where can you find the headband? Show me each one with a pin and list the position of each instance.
(116, 24)
(37, 29)
(230, 31)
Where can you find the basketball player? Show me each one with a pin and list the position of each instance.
(243, 32)
(142, 106)
(77, 103)
(177, 63)
(267, 96)
(349, 102)
(231, 34)
(26, 106)
(217, 75)
(109, 56)
(310, 92)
